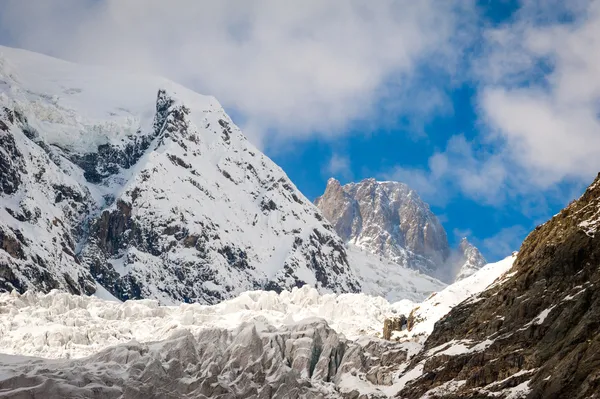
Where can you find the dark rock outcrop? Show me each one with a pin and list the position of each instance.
(537, 330)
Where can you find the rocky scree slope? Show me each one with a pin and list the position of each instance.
(150, 195)
(535, 333)
(390, 220)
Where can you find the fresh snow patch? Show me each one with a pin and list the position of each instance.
(435, 307)
(542, 316)
(411, 375)
(520, 391)
(459, 347)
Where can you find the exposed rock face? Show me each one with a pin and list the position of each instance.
(470, 260)
(394, 324)
(388, 219)
(153, 196)
(535, 333)
(308, 360)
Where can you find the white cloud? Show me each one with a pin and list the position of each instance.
(543, 96)
(294, 68)
(539, 112)
(338, 166)
(463, 167)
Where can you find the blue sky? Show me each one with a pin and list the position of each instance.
(489, 109)
(371, 151)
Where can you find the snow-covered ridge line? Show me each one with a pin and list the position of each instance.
(427, 313)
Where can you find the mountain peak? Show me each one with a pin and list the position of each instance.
(388, 219)
(470, 259)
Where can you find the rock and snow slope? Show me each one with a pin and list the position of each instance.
(534, 334)
(147, 188)
(425, 314)
(388, 219)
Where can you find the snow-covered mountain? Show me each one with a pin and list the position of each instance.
(382, 277)
(390, 220)
(146, 188)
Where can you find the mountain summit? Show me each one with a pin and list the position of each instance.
(390, 220)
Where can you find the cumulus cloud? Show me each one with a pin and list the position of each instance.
(290, 69)
(549, 121)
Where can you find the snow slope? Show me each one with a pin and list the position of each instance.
(148, 189)
(382, 277)
(428, 312)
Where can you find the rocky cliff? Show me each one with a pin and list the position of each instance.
(532, 334)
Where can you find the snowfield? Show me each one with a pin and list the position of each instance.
(394, 282)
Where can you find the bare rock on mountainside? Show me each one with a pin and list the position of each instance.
(533, 334)
(152, 196)
(394, 324)
(389, 219)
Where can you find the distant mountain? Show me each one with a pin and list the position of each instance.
(147, 189)
(390, 220)
(470, 260)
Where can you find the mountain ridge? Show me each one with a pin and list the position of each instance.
(534, 333)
